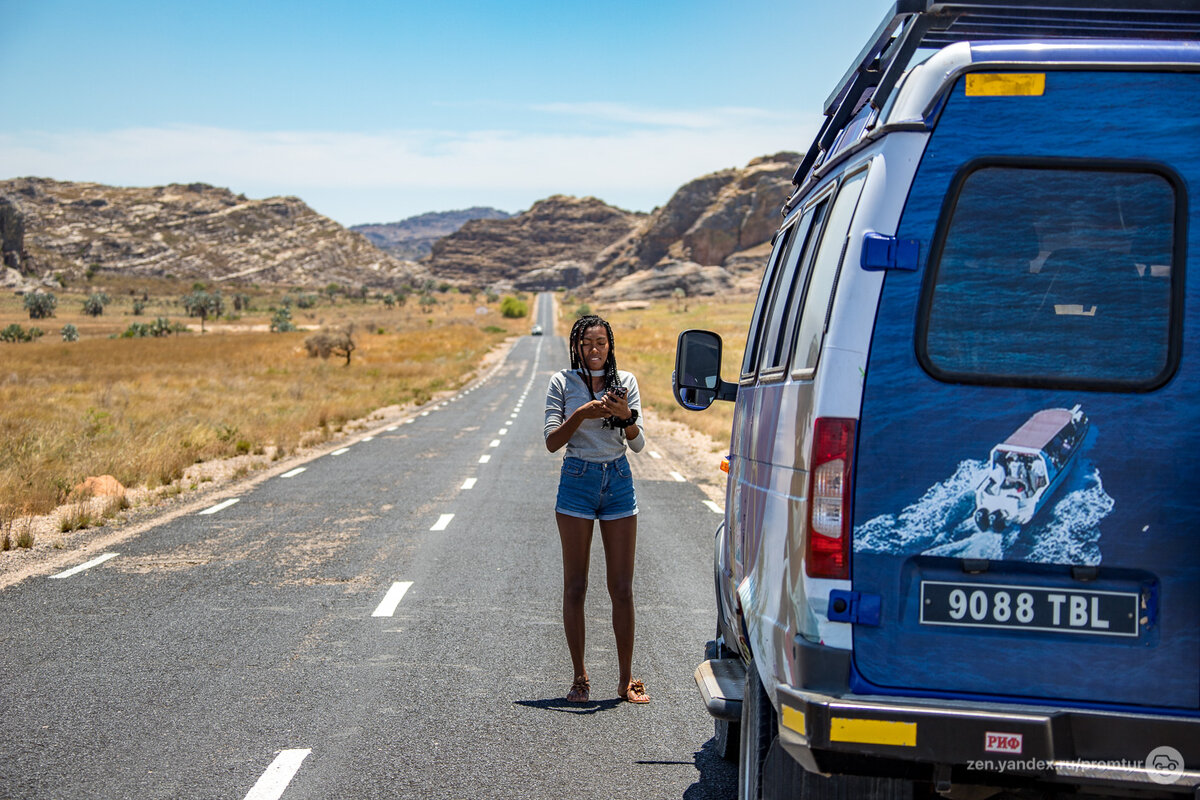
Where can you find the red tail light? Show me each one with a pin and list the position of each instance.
(829, 492)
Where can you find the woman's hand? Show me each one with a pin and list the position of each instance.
(615, 406)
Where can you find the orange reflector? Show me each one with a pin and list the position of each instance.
(725, 464)
(1006, 84)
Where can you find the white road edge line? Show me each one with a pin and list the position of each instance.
(442, 523)
(86, 565)
(293, 473)
(220, 506)
(469, 483)
(392, 599)
(277, 777)
(678, 477)
(716, 509)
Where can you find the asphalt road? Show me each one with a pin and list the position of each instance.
(384, 623)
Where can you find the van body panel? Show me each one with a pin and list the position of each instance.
(1116, 529)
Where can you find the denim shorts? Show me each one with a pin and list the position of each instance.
(596, 491)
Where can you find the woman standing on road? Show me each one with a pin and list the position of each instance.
(594, 409)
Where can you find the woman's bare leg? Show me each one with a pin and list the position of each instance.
(576, 537)
(620, 541)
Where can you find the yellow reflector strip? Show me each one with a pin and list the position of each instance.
(794, 718)
(996, 84)
(873, 731)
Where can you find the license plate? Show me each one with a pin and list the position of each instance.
(1033, 608)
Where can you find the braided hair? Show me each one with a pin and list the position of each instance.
(610, 365)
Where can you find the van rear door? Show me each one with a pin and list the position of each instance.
(1025, 491)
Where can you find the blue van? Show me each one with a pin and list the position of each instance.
(960, 548)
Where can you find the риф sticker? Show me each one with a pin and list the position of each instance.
(1002, 742)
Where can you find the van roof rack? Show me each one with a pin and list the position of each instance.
(913, 24)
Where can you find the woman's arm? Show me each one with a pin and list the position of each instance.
(593, 409)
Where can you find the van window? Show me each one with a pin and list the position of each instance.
(765, 293)
(791, 284)
(814, 309)
(1052, 276)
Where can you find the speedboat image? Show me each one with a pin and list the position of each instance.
(1027, 467)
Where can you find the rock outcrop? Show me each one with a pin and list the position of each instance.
(193, 231)
(549, 246)
(412, 239)
(721, 220)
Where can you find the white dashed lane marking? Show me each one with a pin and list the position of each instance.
(654, 454)
(277, 777)
(716, 509)
(339, 451)
(221, 506)
(484, 459)
(442, 523)
(392, 599)
(86, 565)
(495, 443)
(293, 473)
(469, 483)
(678, 477)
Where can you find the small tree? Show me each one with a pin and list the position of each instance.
(281, 322)
(70, 333)
(40, 305)
(327, 343)
(138, 307)
(94, 305)
(427, 302)
(203, 304)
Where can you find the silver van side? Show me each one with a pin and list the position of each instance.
(959, 542)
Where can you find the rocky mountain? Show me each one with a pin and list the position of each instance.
(712, 236)
(193, 231)
(412, 239)
(552, 244)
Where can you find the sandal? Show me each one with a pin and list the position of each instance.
(636, 693)
(580, 690)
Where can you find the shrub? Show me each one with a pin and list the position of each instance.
(513, 308)
(94, 305)
(138, 307)
(583, 310)
(15, 333)
(40, 305)
(70, 333)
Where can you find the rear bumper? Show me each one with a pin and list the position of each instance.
(988, 743)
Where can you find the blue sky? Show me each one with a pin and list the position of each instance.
(376, 111)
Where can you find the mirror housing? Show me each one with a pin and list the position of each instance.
(696, 381)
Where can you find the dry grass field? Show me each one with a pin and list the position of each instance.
(144, 409)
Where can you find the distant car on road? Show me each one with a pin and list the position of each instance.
(537, 330)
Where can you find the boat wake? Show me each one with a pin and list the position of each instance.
(940, 523)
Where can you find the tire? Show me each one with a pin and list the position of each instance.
(757, 733)
(726, 734)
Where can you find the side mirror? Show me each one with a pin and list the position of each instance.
(697, 379)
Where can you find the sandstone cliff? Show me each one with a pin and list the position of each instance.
(412, 239)
(712, 235)
(550, 245)
(193, 231)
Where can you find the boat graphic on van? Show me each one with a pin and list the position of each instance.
(1028, 466)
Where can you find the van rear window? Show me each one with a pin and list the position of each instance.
(1058, 277)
